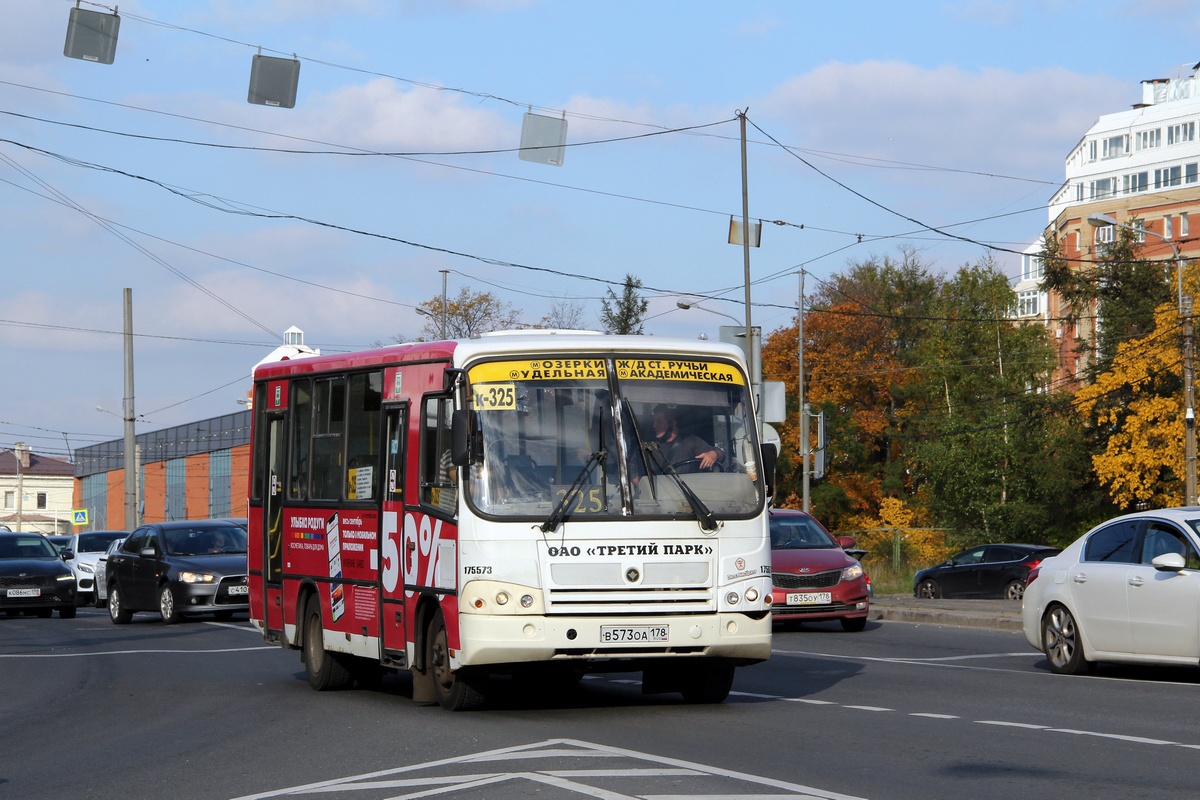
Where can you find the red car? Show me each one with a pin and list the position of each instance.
(813, 576)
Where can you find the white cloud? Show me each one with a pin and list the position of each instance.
(993, 118)
(383, 115)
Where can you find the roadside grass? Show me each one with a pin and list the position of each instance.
(886, 579)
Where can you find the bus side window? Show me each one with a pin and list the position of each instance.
(362, 436)
(297, 487)
(439, 477)
(329, 419)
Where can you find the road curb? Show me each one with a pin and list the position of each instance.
(995, 614)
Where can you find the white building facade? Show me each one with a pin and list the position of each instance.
(1140, 166)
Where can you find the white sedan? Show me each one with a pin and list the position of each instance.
(1126, 591)
(101, 596)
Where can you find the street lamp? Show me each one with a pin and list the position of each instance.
(1185, 314)
(686, 306)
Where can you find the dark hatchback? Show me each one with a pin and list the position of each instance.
(988, 570)
(34, 577)
(178, 569)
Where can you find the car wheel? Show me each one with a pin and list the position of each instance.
(66, 612)
(708, 682)
(929, 589)
(1061, 642)
(854, 624)
(99, 602)
(325, 670)
(166, 604)
(1015, 590)
(116, 612)
(455, 690)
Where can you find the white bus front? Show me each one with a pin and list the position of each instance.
(613, 517)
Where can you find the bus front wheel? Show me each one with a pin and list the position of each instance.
(325, 670)
(708, 682)
(455, 690)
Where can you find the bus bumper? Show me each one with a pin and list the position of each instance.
(505, 639)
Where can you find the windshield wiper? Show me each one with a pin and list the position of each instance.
(560, 510)
(706, 518)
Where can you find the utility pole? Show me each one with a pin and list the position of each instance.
(755, 366)
(1189, 393)
(131, 472)
(443, 271)
(805, 455)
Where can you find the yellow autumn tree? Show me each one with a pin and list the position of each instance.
(919, 546)
(1137, 404)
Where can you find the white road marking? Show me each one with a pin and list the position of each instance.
(423, 781)
(136, 652)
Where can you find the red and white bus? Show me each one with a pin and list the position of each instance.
(500, 506)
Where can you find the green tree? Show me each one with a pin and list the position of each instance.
(933, 398)
(979, 424)
(1125, 288)
(624, 314)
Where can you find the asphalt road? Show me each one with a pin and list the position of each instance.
(901, 710)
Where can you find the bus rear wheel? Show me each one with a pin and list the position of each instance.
(326, 671)
(455, 690)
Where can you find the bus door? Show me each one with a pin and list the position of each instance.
(392, 628)
(272, 522)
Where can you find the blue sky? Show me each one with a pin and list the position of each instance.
(154, 172)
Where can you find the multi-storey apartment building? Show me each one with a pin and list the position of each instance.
(1140, 167)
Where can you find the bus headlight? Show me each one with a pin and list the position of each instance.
(498, 597)
(751, 595)
(732, 598)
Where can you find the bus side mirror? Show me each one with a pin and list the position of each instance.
(769, 457)
(460, 438)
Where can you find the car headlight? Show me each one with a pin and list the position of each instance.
(852, 572)
(85, 569)
(196, 577)
(70, 576)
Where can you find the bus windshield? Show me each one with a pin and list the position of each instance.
(595, 438)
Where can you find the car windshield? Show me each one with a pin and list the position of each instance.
(798, 533)
(95, 542)
(552, 427)
(32, 546)
(205, 540)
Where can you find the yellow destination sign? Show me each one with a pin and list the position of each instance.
(541, 369)
(678, 369)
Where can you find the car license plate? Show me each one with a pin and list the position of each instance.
(24, 592)
(635, 633)
(239, 590)
(809, 598)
